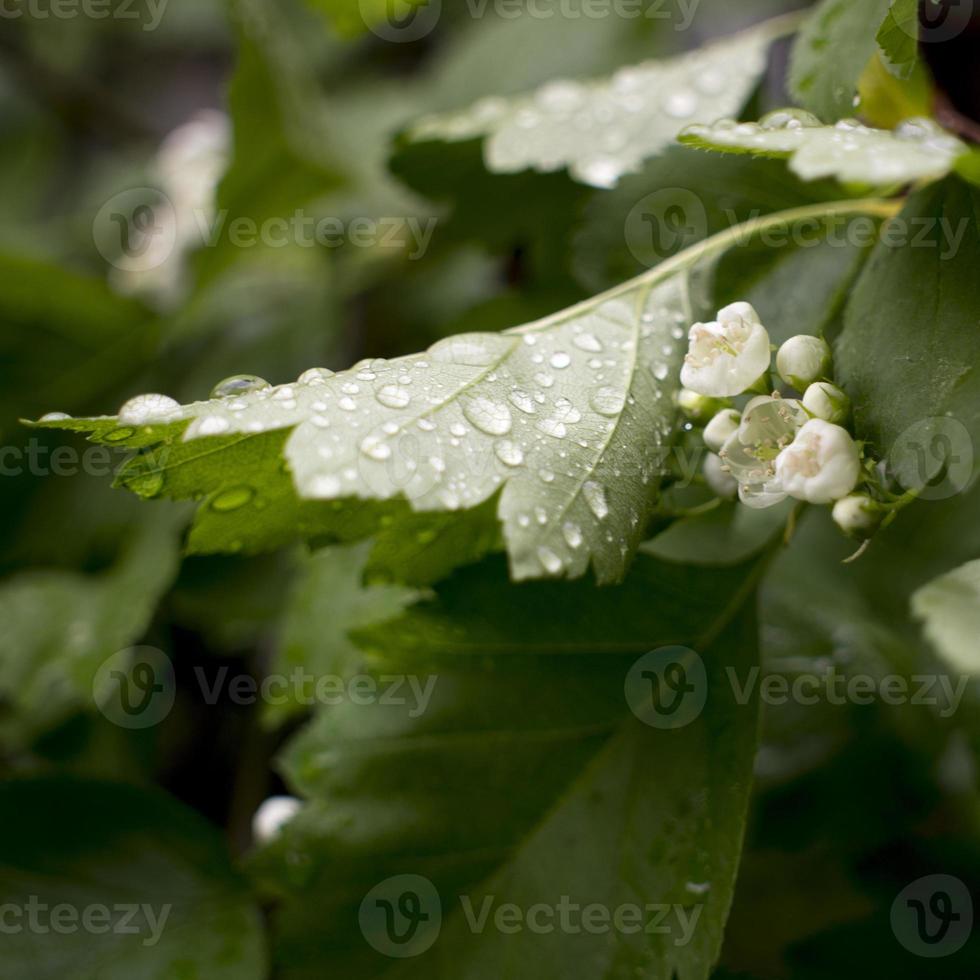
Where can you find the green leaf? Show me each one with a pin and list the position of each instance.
(526, 754)
(910, 347)
(898, 37)
(949, 608)
(916, 150)
(326, 602)
(830, 54)
(567, 419)
(601, 130)
(61, 626)
(122, 884)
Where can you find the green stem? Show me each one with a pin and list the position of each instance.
(737, 234)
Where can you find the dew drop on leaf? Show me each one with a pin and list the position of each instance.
(232, 498)
(144, 409)
(315, 376)
(488, 416)
(393, 396)
(595, 497)
(239, 384)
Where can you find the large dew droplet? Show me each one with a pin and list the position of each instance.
(239, 384)
(509, 453)
(595, 497)
(393, 396)
(232, 498)
(144, 409)
(551, 563)
(488, 416)
(608, 401)
(315, 376)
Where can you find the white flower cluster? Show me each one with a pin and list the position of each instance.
(776, 447)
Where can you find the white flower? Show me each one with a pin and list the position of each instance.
(802, 360)
(719, 480)
(822, 464)
(720, 429)
(827, 402)
(727, 356)
(768, 425)
(272, 815)
(857, 515)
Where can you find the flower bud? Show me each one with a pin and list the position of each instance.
(827, 402)
(802, 360)
(857, 515)
(821, 465)
(272, 815)
(698, 408)
(719, 480)
(717, 431)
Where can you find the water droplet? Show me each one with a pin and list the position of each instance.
(551, 563)
(572, 533)
(488, 416)
(347, 404)
(239, 384)
(144, 409)
(374, 447)
(588, 342)
(523, 401)
(608, 401)
(54, 417)
(660, 372)
(546, 476)
(324, 486)
(211, 425)
(466, 349)
(149, 485)
(232, 499)
(119, 435)
(545, 380)
(509, 453)
(681, 105)
(393, 396)
(315, 376)
(595, 497)
(560, 360)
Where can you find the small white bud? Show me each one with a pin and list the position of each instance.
(827, 402)
(857, 515)
(719, 480)
(726, 356)
(802, 360)
(698, 408)
(821, 465)
(720, 428)
(272, 815)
